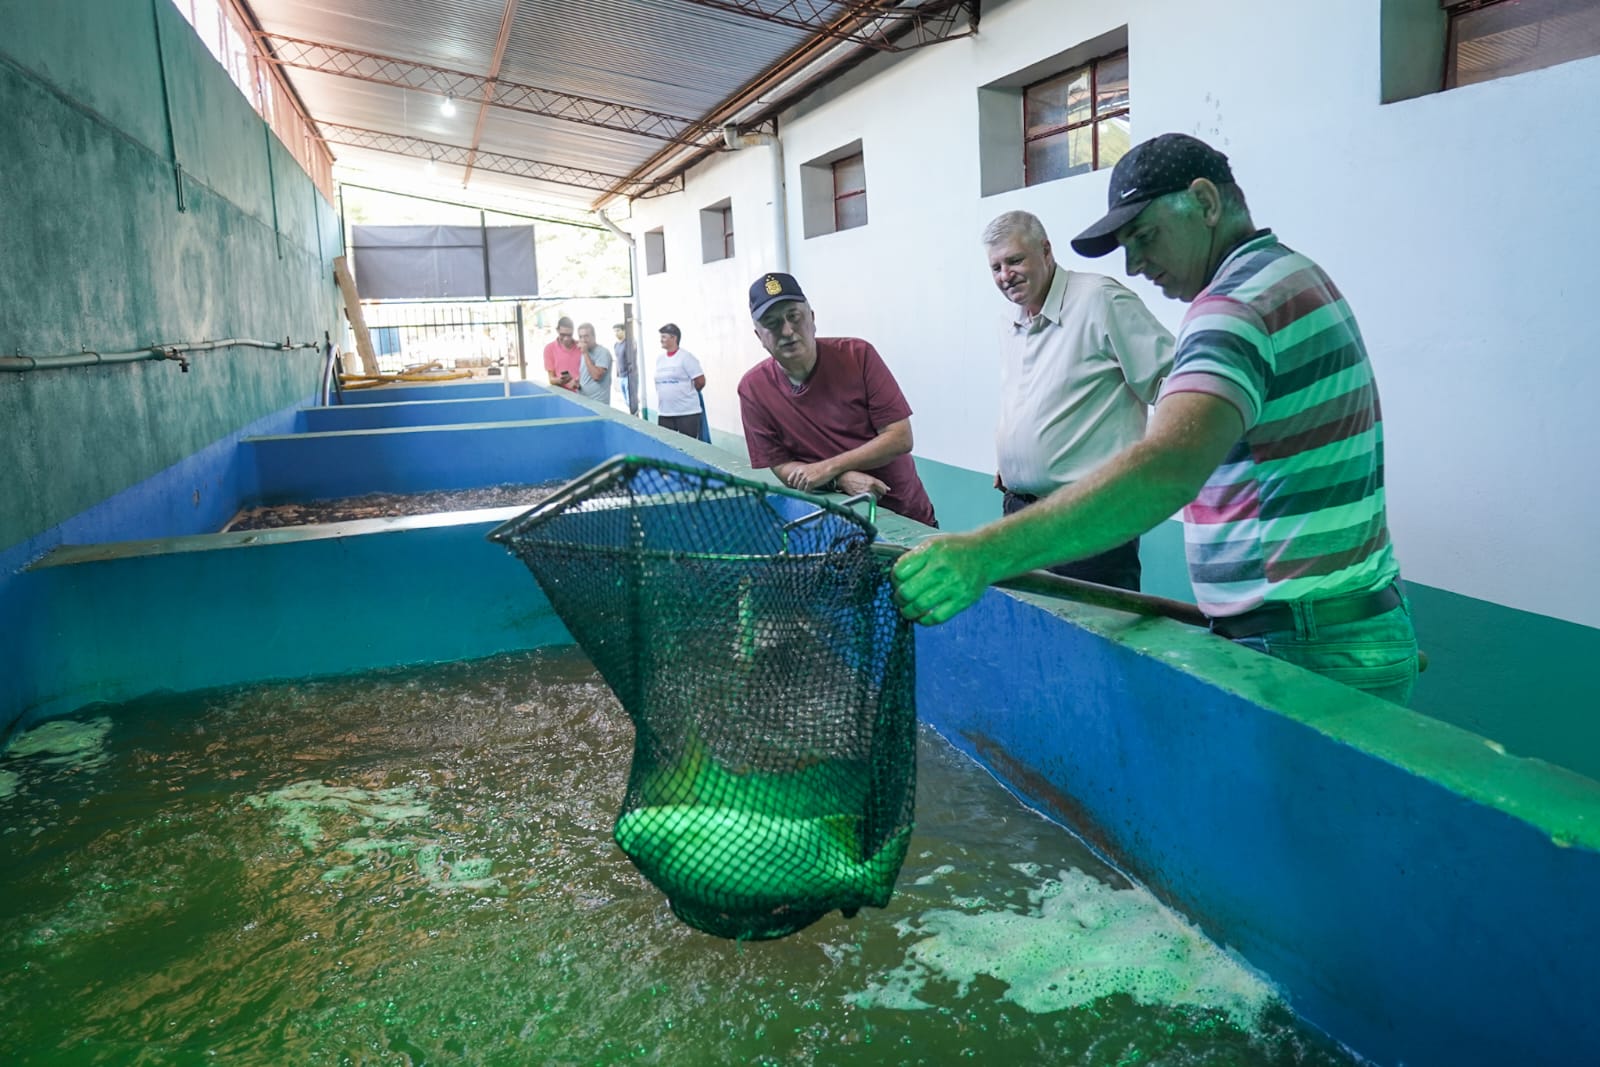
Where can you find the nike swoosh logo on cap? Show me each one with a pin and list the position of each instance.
(1127, 193)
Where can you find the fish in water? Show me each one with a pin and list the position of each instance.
(746, 862)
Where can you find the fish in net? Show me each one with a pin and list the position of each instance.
(751, 636)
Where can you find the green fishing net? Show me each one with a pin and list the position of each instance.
(750, 635)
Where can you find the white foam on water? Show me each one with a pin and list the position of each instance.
(63, 741)
(469, 873)
(1079, 940)
(934, 875)
(308, 804)
(395, 846)
(305, 804)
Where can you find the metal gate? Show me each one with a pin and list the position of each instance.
(467, 336)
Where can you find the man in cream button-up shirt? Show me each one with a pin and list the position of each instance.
(1081, 360)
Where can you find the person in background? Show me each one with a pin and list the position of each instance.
(594, 376)
(624, 359)
(825, 412)
(1081, 358)
(1267, 433)
(561, 358)
(679, 379)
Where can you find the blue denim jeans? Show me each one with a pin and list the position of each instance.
(1376, 655)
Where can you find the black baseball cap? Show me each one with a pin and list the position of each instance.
(1151, 168)
(772, 289)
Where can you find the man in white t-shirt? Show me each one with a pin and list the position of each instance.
(594, 370)
(1081, 359)
(679, 380)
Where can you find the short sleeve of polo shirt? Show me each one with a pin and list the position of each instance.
(886, 404)
(762, 436)
(1224, 350)
(1140, 343)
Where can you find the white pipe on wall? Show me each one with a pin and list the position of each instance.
(780, 216)
(636, 382)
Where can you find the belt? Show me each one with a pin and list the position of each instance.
(1280, 615)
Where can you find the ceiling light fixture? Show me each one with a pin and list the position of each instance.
(447, 107)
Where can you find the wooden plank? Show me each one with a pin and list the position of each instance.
(358, 321)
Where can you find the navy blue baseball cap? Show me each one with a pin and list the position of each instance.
(1151, 168)
(772, 289)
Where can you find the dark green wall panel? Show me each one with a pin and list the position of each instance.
(100, 255)
(217, 137)
(1525, 681)
(98, 53)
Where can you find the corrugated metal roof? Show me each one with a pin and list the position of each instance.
(661, 54)
(460, 33)
(681, 59)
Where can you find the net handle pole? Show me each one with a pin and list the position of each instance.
(870, 499)
(1105, 596)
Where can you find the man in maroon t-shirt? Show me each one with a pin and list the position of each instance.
(824, 412)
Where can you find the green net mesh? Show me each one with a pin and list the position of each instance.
(750, 635)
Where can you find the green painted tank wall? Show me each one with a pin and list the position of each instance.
(98, 253)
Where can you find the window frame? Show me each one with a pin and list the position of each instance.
(1093, 121)
(819, 208)
(1455, 12)
(223, 28)
(838, 197)
(655, 251)
(727, 231)
(716, 231)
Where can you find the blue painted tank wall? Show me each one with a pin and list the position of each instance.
(410, 459)
(228, 608)
(372, 416)
(1370, 860)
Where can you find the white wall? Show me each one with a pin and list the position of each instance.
(708, 300)
(1461, 226)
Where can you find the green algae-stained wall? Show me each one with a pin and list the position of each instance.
(99, 255)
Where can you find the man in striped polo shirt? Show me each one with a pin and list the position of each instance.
(1267, 433)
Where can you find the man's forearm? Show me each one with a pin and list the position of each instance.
(1127, 497)
(893, 441)
(785, 471)
(1191, 433)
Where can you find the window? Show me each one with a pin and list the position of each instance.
(223, 31)
(850, 192)
(1064, 114)
(833, 191)
(1493, 38)
(1431, 45)
(716, 232)
(1075, 122)
(655, 251)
